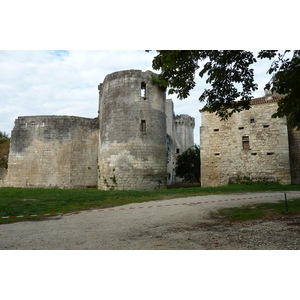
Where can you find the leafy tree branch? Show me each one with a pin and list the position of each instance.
(230, 76)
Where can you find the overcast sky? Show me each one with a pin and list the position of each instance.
(66, 83)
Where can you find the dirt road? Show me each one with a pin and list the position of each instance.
(185, 223)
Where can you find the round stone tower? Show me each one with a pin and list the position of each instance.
(132, 148)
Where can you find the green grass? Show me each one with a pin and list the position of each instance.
(261, 211)
(28, 201)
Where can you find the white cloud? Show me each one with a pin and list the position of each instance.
(57, 82)
(66, 83)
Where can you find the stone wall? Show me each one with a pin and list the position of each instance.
(183, 133)
(294, 141)
(124, 148)
(180, 135)
(133, 149)
(53, 151)
(248, 146)
(183, 136)
(3, 173)
(170, 119)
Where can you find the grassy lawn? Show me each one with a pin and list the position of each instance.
(28, 201)
(262, 211)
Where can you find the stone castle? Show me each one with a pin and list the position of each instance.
(250, 146)
(135, 139)
(131, 144)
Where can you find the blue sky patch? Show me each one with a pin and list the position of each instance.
(61, 53)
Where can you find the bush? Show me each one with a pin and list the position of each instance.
(188, 165)
(4, 149)
(3, 135)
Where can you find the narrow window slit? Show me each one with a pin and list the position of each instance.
(143, 126)
(143, 90)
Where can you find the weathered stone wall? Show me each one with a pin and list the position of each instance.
(183, 136)
(180, 135)
(266, 154)
(184, 132)
(3, 173)
(136, 122)
(133, 149)
(170, 119)
(294, 141)
(53, 151)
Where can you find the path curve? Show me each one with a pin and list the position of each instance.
(182, 223)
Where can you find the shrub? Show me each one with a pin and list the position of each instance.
(188, 165)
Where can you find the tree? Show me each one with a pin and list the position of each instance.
(4, 149)
(188, 164)
(231, 77)
(3, 135)
(286, 81)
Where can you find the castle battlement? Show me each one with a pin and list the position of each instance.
(185, 120)
(125, 147)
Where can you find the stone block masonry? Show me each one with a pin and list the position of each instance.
(180, 136)
(294, 147)
(53, 151)
(124, 148)
(250, 145)
(3, 173)
(184, 132)
(132, 150)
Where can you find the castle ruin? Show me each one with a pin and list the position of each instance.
(134, 141)
(131, 145)
(250, 146)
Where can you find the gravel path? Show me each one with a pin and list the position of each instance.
(182, 223)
